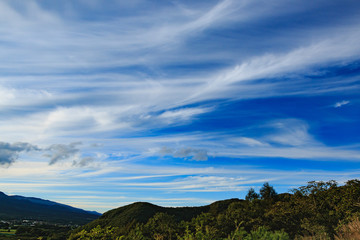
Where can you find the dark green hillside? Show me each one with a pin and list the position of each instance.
(122, 216)
(140, 212)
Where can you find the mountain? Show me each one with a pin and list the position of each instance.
(29, 208)
(141, 212)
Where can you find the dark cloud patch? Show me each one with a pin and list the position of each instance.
(9, 153)
(188, 153)
(83, 162)
(96, 145)
(59, 152)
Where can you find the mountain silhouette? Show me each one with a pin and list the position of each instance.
(36, 209)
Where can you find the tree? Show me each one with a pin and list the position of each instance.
(251, 195)
(267, 191)
(162, 226)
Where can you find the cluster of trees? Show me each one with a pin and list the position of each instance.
(39, 232)
(139, 233)
(320, 210)
(48, 232)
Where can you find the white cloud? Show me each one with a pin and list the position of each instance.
(291, 132)
(182, 115)
(11, 97)
(250, 141)
(6, 96)
(78, 118)
(340, 104)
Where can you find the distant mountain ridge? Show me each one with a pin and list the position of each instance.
(30, 208)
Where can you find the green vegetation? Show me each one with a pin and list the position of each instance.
(320, 210)
(7, 234)
(7, 231)
(49, 232)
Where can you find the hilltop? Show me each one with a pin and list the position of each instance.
(141, 212)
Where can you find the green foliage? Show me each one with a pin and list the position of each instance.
(267, 192)
(135, 234)
(96, 233)
(263, 233)
(162, 226)
(252, 195)
(239, 233)
(7, 231)
(49, 232)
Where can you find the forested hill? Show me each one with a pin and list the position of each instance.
(21, 208)
(322, 210)
(141, 212)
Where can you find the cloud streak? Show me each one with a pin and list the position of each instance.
(340, 104)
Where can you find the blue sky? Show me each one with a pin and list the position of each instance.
(178, 103)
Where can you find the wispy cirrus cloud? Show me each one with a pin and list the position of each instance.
(150, 90)
(291, 132)
(297, 61)
(340, 104)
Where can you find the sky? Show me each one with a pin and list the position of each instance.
(177, 103)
